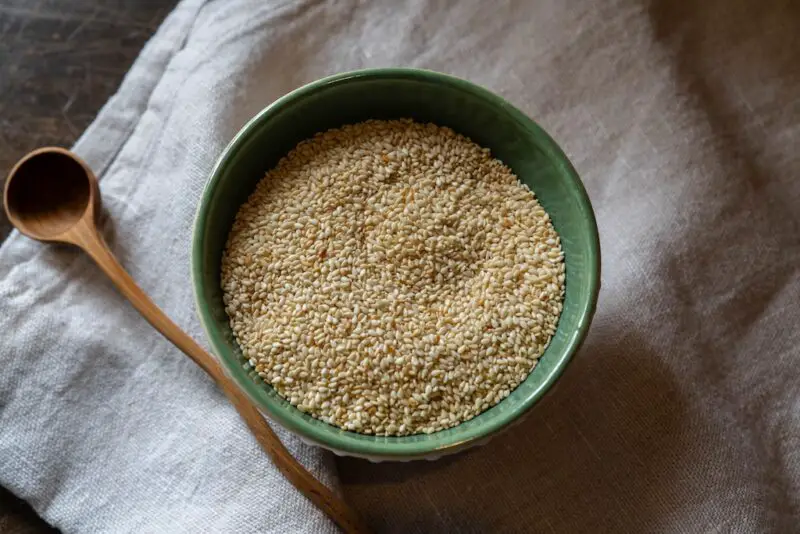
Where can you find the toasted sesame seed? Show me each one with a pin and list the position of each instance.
(392, 278)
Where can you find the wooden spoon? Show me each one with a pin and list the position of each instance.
(52, 196)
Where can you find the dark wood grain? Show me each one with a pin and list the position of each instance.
(60, 60)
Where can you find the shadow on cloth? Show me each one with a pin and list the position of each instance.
(737, 63)
(719, 48)
(602, 452)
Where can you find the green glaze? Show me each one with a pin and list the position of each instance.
(424, 96)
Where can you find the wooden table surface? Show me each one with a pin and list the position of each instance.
(60, 60)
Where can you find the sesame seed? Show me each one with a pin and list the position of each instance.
(392, 278)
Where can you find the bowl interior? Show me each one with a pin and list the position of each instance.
(424, 96)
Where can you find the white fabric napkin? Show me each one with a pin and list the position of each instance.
(682, 412)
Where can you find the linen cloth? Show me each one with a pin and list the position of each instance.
(680, 414)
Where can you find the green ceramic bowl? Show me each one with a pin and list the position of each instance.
(424, 96)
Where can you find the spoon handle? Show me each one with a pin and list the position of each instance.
(87, 237)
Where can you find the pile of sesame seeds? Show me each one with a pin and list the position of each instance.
(392, 278)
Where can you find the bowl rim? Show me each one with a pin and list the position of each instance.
(386, 448)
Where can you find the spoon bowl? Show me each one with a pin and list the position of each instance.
(49, 192)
